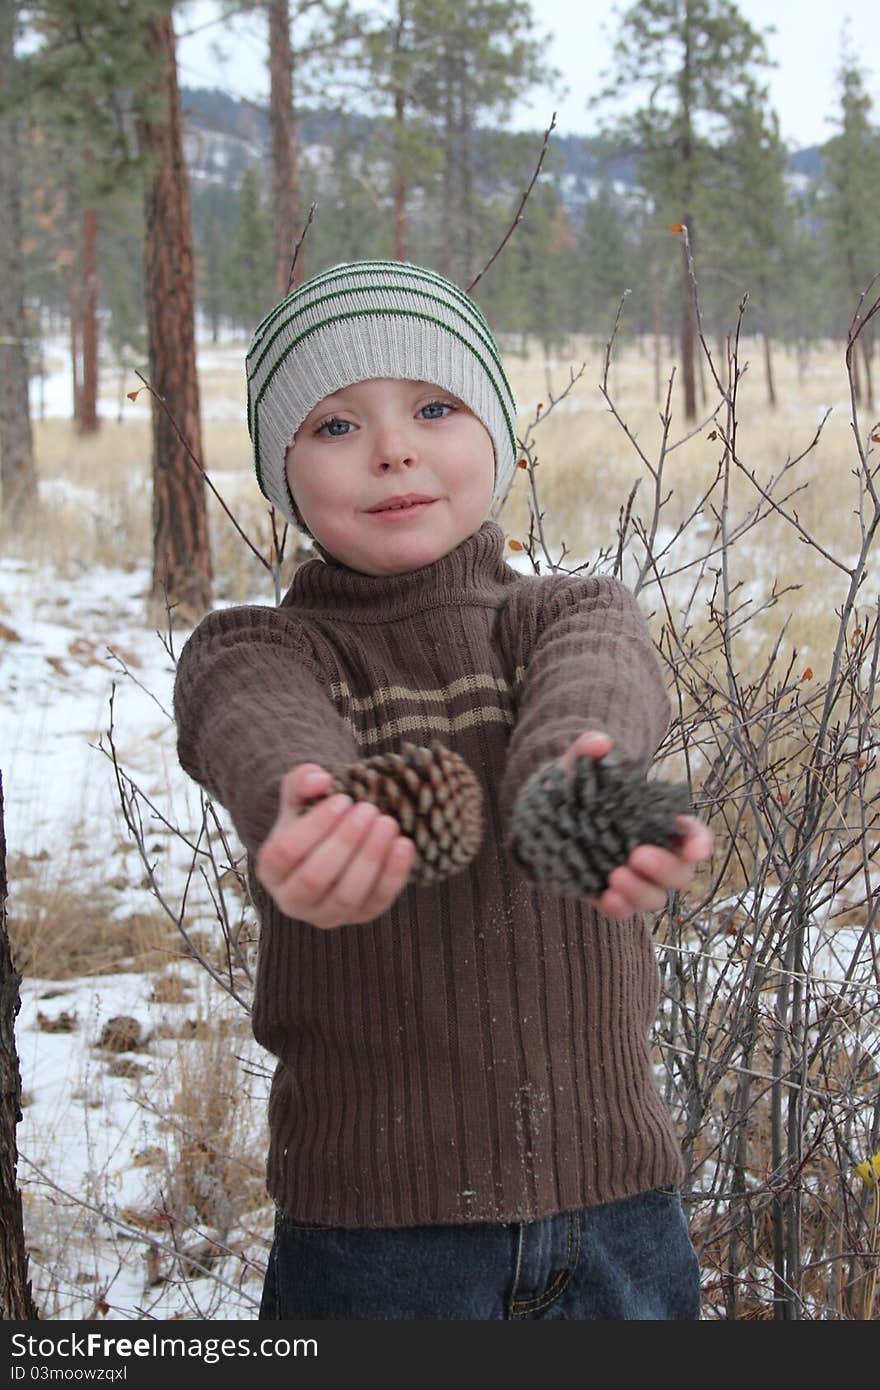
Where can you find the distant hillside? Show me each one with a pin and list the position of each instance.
(225, 136)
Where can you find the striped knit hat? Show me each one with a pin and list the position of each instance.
(360, 321)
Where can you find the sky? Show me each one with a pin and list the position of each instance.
(806, 47)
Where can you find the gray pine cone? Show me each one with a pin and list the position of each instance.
(435, 799)
(573, 828)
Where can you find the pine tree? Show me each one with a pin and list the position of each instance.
(17, 472)
(394, 54)
(851, 204)
(289, 64)
(751, 222)
(694, 59)
(82, 79)
(181, 553)
(249, 279)
(121, 257)
(447, 65)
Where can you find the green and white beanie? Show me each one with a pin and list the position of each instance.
(364, 320)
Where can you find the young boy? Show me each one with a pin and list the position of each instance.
(464, 1121)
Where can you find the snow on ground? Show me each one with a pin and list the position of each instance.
(91, 1114)
(52, 395)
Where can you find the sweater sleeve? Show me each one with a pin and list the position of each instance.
(249, 705)
(587, 661)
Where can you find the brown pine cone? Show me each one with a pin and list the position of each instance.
(435, 799)
(573, 828)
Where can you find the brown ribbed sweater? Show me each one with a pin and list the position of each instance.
(480, 1051)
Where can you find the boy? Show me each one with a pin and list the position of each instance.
(463, 1117)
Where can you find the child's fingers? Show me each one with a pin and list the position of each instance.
(698, 843)
(661, 866)
(393, 874)
(302, 784)
(614, 905)
(314, 875)
(642, 895)
(351, 877)
(348, 896)
(295, 836)
(389, 858)
(591, 744)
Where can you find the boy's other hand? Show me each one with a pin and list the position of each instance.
(333, 864)
(650, 873)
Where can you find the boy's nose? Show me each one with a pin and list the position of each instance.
(393, 447)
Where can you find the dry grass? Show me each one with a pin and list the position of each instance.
(210, 1167)
(63, 926)
(586, 468)
(96, 490)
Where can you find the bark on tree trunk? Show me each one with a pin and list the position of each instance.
(15, 1288)
(448, 204)
(285, 184)
(866, 355)
(401, 226)
(688, 335)
(658, 329)
(768, 371)
(73, 300)
(181, 554)
(87, 417)
(18, 477)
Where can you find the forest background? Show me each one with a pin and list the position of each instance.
(720, 288)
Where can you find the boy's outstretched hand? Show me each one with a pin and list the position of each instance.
(335, 864)
(642, 883)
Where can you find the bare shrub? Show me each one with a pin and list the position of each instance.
(767, 1031)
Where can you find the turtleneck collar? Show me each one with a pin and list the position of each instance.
(475, 569)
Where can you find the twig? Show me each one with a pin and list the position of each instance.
(185, 442)
(523, 200)
(298, 247)
(147, 1239)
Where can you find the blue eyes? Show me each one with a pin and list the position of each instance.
(336, 428)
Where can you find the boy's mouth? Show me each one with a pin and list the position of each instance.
(402, 504)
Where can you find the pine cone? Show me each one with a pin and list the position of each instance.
(435, 799)
(573, 828)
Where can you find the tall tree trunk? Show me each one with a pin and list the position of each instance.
(465, 152)
(15, 1289)
(768, 371)
(181, 554)
(401, 224)
(87, 416)
(448, 200)
(688, 331)
(18, 477)
(74, 300)
(658, 328)
(688, 307)
(285, 182)
(399, 77)
(867, 346)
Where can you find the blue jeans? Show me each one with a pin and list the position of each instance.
(631, 1259)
